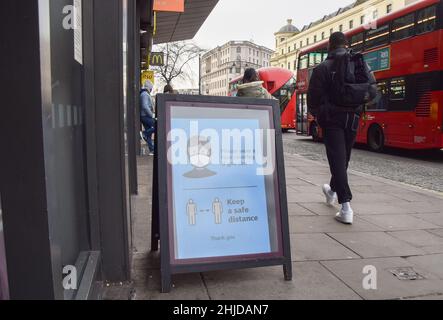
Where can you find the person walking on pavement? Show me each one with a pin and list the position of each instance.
(252, 87)
(147, 115)
(338, 90)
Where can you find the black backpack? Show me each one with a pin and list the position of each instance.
(353, 84)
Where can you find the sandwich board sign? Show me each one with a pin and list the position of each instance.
(219, 192)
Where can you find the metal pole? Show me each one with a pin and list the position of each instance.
(199, 75)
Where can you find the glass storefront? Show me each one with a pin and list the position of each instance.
(3, 271)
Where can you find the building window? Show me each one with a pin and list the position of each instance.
(340, 28)
(289, 49)
(301, 44)
(351, 24)
(307, 41)
(362, 20)
(238, 49)
(282, 39)
(331, 31)
(315, 39)
(323, 35)
(289, 66)
(295, 65)
(389, 8)
(375, 14)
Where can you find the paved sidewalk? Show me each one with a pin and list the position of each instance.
(396, 227)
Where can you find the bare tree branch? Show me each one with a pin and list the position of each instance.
(178, 56)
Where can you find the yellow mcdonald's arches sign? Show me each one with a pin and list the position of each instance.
(157, 59)
(147, 75)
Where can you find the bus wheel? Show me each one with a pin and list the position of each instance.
(315, 132)
(376, 138)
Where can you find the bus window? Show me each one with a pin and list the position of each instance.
(398, 89)
(357, 42)
(325, 56)
(377, 37)
(311, 60)
(284, 95)
(381, 102)
(318, 58)
(403, 27)
(304, 62)
(426, 20)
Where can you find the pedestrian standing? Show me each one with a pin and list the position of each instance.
(338, 90)
(147, 115)
(252, 87)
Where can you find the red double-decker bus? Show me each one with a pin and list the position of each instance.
(281, 84)
(405, 51)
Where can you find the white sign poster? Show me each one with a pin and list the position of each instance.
(78, 32)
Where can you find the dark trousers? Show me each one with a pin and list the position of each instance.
(339, 138)
(149, 125)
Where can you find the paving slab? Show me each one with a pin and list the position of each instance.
(295, 209)
(311, 282)
(435, 218)
(418, 238)
(374, 198)
(325, 224)
(388, 286)
(437, 232)
(304, 197)
(317, 247)
(412, 196)
(431, 263)
(380, 208)
(320, 208)
(186, 287)
(399, 222)
(376, 244)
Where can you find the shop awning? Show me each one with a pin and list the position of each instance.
(183, 26)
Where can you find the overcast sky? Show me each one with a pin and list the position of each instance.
(257, 20)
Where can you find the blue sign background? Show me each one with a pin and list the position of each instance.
(238, 187)
(379, 60)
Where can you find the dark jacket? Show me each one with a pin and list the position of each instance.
(319, 87)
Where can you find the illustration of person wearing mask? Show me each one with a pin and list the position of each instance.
(199, 153)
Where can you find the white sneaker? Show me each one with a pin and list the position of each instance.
(346, 217)
(331, 197)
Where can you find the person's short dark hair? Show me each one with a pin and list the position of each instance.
(168, 89)
(250, 75)
(337, 40)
